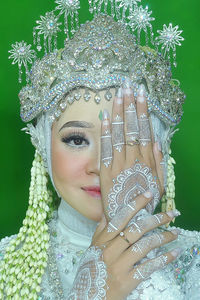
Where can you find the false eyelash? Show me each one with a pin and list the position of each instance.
(75, 135)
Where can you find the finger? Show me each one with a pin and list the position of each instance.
(143, 271)
(143, 246)
(122, 218)
(100, 226)
(158, 156)
(138, 228)
(118, 132)
(106, 141)
(131, 125)
(145, 136)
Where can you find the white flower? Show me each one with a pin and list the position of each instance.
(21, 53)
(169, 37)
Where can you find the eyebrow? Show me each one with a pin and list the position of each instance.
(80, 124)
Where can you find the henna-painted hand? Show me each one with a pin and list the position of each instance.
(131, 180)
(130, 160)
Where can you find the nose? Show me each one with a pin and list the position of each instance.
(93, 165)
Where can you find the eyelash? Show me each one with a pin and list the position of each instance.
(74, 136)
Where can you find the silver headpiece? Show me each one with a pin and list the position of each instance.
(101, 54)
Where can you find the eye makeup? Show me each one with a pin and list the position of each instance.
(76, 139)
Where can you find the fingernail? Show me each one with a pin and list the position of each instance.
(127, 83)
(173, 213)
(148, 194)
(141, 91)
(127, 90)
(106, 114)
(175, 231)
(176, 252)
(119, 93)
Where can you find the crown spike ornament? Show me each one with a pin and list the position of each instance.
(127, 6)
(140, 19)
(22, 55)
(70, 10)
(48, 26)
(169, 37)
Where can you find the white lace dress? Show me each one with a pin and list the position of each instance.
(71, 235)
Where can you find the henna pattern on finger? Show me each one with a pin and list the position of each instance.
(121, 217)
(144, 271)
(145, 133)
(128, 185)
(118, 133)
(142, 224)
(106, 148)
(132, 126)
(146, 243)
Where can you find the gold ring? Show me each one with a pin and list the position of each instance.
(133, 143)
(122, 234)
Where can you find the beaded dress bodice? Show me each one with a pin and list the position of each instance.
(71, 235)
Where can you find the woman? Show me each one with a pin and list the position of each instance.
(111, 172)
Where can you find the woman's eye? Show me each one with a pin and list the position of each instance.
(76, 140)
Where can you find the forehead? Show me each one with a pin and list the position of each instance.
(82, 110)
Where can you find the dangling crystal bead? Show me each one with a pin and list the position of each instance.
(57, 113)
(77, 95)
(87, 95)
(70, 99)
(97, 98)
(52, 118)
(63, 105)
(108, 95)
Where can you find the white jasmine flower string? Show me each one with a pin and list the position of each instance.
(26, 256)
(168, 202)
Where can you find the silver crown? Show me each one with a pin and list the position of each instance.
(102, 54)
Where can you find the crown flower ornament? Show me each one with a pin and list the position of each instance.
(22, 55)
(140, 19)
(69, 8)
(48, 26)
(169, 38)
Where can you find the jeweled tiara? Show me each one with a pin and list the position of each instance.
(101, 54)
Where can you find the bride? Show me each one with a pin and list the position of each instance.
(105, 108)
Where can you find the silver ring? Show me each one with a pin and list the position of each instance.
(122, 234)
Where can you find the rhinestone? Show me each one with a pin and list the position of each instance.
(77, 96)
(70, 99)
(97, 98)
(57, 113)
(101, 115)
(63, 105)
(87, 96)
(108, 95)
(39, 48)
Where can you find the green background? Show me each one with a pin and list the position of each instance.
(16, 152)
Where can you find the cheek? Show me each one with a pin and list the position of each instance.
(66, 165)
